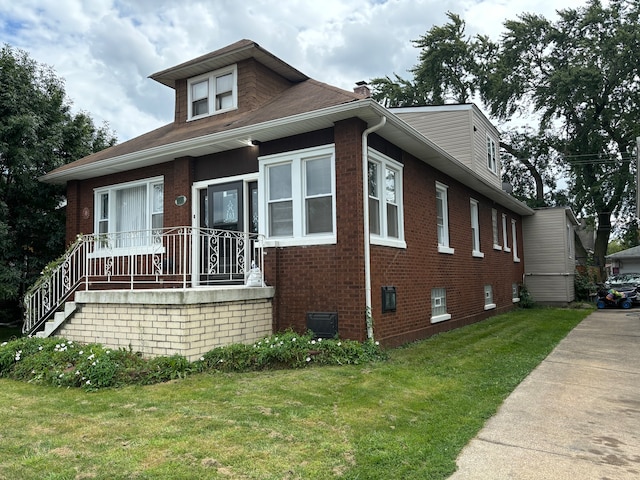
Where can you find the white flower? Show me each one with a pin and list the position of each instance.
(108, 352)
(339, 344)
(313, 342)
(3, 344)
(77, 372)
(293, 339)
(40, 347)
(202, 359)
(377, 343)
(88, 382)
(80, 352)
(308, 359)
(61, 375)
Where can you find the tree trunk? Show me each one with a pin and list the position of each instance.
(602, 241)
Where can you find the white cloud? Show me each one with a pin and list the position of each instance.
(106, 49)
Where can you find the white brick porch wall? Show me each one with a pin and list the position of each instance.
(167, 322)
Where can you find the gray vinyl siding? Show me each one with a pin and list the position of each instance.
(549, 262)
(450, 130)
(484, 129)
(460, 130)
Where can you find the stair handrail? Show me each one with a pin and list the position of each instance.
(57, 282)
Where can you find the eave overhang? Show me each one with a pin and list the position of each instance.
(395, 131)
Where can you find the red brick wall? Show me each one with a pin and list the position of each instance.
(327, 278)
(419, 268)
(178, 177)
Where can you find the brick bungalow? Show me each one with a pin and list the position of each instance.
(360, 220)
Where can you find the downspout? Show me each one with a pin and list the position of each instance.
(365, 209)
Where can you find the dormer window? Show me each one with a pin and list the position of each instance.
(492, 163)
(212, 93)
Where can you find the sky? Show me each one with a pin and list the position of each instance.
(105, 50)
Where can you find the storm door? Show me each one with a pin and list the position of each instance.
(223, 254)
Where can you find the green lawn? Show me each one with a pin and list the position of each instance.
(405, 418)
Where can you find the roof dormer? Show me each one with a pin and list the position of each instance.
(212, 93)
(238, 78)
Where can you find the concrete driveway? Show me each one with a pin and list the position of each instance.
(575, 417)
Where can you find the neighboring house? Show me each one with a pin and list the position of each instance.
(359, 222)
(625, 261)
(550, 255)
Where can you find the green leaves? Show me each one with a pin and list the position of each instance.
(38, 133)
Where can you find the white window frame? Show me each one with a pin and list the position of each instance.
(569, 240)
(492, 162)
(104, 246)
(438, 301)
(495, 229)
(443, 247)
(514, 240)
(297, 161)
(515, 297)
(210, 78)
(384, 164)
(505, 237)
(489, 304)
(475, 229)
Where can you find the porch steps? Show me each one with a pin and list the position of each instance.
(58, 319)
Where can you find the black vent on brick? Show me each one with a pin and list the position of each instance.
(323, 324)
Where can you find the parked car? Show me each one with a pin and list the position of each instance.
(628, 279)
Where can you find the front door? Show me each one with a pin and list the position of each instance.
(225, 248)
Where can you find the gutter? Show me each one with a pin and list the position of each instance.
(365, 211)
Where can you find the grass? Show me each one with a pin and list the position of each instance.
(405, 418)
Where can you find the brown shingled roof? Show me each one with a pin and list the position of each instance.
(303, 97)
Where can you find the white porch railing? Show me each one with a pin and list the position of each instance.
(179, 257)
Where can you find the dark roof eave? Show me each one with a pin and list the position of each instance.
(242, 50)
(396, 131)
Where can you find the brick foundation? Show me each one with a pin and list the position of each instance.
(161, 323)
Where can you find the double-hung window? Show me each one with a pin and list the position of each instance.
(492, 163)
(494, 226)
(475, 229)
(442, 221)
(384, 177)
(212, 93)
(505, 238)
(514, 241)
(129, 214)
(299, 201)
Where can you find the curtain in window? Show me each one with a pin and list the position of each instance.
(131, 205)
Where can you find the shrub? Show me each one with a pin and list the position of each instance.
(526, 300)
(59, 362)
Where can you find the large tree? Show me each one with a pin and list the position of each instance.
(575, 81)
(38, 133)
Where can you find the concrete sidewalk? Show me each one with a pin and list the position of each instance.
(576, 416)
